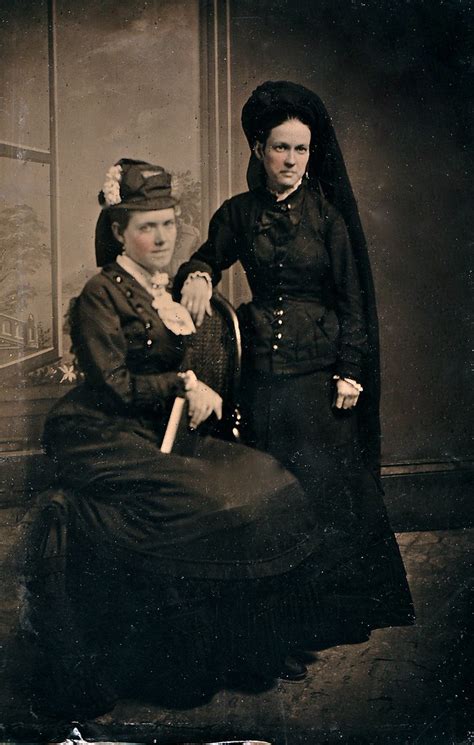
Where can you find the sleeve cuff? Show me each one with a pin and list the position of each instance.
(204, 275)
(347, 370)
(154, 391)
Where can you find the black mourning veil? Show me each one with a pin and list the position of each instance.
(327, 173)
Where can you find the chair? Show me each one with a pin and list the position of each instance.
(215, 351)
(214, 354)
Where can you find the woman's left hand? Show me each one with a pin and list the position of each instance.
(346, 395)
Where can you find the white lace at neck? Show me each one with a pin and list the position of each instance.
(174, 316)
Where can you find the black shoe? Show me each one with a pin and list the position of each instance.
(306, 656)
(293, 670)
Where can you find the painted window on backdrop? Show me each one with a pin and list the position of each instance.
(29, 314)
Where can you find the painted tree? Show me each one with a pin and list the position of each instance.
(22, 252)
(190, 198)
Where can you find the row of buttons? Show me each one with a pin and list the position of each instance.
(139, 308)
(278, 313)
(118, 279)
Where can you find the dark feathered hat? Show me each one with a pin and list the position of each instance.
(132, 185)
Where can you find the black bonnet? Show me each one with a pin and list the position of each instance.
(326, 164)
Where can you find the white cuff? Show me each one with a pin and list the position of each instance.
(204, 275)
(189, 379)
(352, 382)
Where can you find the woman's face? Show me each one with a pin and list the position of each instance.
(285, 154)
(149, 238)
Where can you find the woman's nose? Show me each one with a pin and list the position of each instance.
(290, 157)
(159, 238)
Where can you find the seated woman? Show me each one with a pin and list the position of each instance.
(153, 571)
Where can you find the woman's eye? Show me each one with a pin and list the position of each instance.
(169, 224)
(145, 228)
(279, 148)
(302, 149)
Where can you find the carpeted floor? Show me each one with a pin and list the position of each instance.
(403, 686)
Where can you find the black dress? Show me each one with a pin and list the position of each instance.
(167, 571)
(305, 324)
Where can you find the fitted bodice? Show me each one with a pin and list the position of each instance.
(289, 257)
(306, 313)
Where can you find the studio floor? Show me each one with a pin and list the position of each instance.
(403, 686)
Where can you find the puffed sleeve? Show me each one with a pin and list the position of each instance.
(218, 253)
(348, 298)
(101, 349)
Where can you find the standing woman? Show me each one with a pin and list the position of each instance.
(311, 369)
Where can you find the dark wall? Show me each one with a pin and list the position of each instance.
(394, 76)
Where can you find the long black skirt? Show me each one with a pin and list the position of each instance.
(293, 418)
(151, 573)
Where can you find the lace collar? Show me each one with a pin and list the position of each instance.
(174, 316)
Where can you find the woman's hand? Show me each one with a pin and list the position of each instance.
(202, 402)
(195, 298)
(346, 395)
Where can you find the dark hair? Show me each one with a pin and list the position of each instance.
(276, 116)
(121, 216)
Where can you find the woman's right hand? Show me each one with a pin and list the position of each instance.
(202, 402)
(195, 298)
